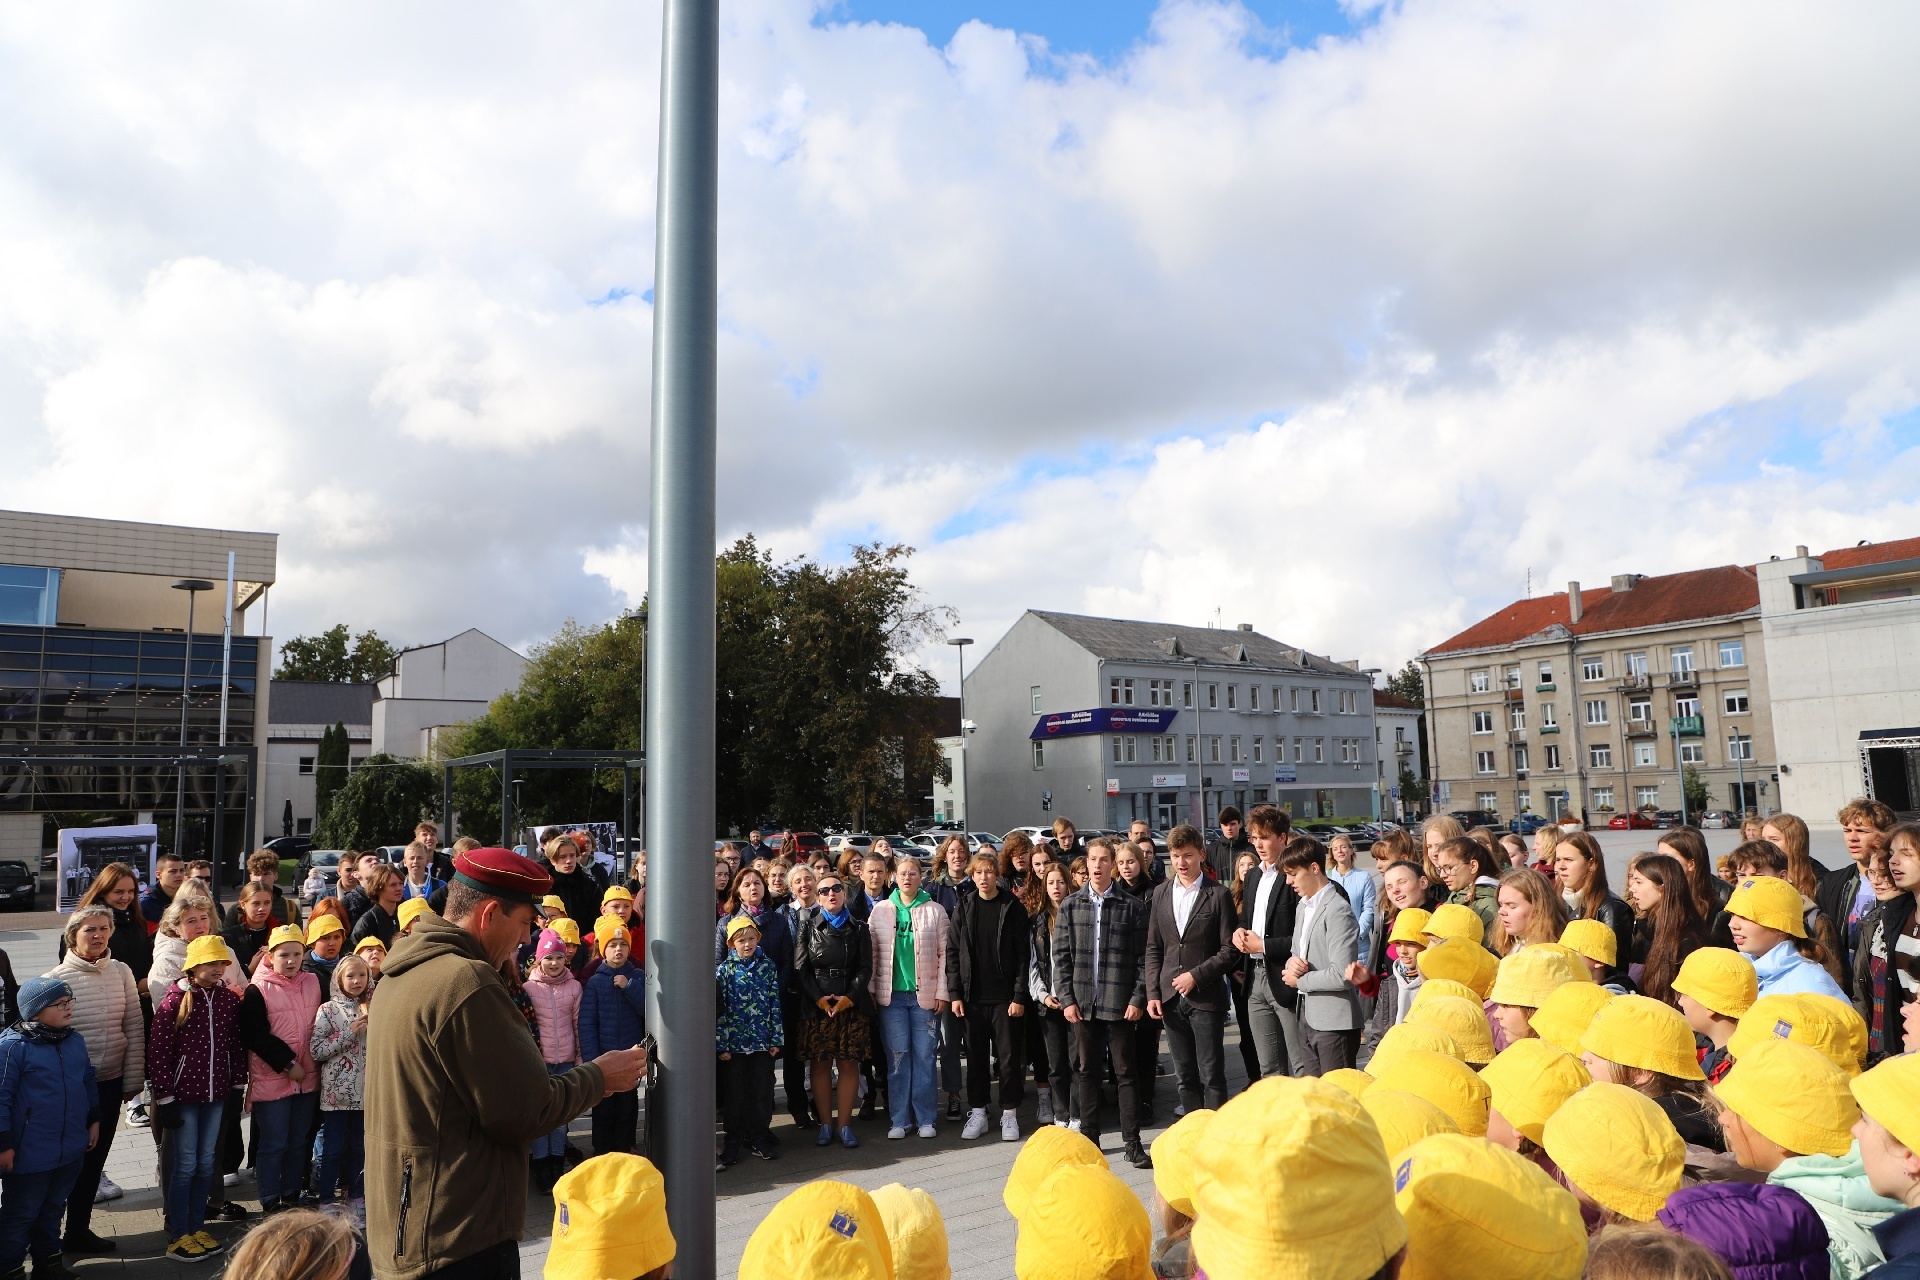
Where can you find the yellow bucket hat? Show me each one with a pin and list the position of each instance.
(606, 929)
(318, 928)
(1432, 987)
(1084, 1224)
(1530, 1080)
(207, 949)
(286, 933)
(1563, 1019)
(1642, 1033)
(1792, 1017)
(1172, 1154)
(1849, 1018)
(1477, 1211)
(1348, 1080)
(552, 902)
(824, 1230)
(1049, 1148)
(369, 943)
(1452, 920)
(1404, 1036)
(1593, 940)
(1619, 1147)
(412, 909)
(1769, 902)
(1575, 965)
(1404, 1118)
(1291, 1179)
(1890, 1094)
(609, 1219)
(1464, 1020)
(569, 931)
(1530, 975)
(1720, 980)
(1447, 1083)
(1411, 926)
(915, 1231)
(1794, 1095)
(1460, 961)
(616, 893)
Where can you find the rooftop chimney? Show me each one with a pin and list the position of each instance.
(1246, 626)
(1574, 609)
(1625, 581)
(1800, 552)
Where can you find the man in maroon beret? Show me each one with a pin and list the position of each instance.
(456, 1086)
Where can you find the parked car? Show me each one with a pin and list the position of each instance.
(1718, 820)
(392, 852)
(802, 844)
(285, 847)
(1476, 817)
(328, 863)
(857, 842)
(18, 884)
(1526, 824)
(1635, 821)
(1666, 818)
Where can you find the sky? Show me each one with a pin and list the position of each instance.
(1345, 320)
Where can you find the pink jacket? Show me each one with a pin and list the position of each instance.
(291, 1006)
(929, 952)
(557, 1007)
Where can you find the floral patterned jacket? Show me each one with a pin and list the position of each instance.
(749, 999)
(342, 1055)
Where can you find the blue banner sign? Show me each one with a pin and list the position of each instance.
(1072, 724)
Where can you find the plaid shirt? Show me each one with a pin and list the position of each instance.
(1103, 985)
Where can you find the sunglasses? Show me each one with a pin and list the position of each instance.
(830, 888)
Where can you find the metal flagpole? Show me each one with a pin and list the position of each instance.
(681, 591)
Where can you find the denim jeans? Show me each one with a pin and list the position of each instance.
(281, 1127)
(31, 1205)
(343, 1153)
(196, 1150)
(554, 1143)
(912, 1039)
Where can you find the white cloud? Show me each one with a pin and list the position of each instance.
(1341, 343)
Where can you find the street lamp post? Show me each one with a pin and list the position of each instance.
(960, 644)
(193, 587)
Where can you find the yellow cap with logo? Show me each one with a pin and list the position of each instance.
(1477, 1211)
(609, 1219)
(1794, 1095)
(824, 1230)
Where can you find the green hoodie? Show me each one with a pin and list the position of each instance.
(905, 967)
(1838, 1191)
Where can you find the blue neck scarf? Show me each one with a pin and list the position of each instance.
(836, 919)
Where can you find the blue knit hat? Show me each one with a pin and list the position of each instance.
(37, 993)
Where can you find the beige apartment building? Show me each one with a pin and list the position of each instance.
(1598, 699)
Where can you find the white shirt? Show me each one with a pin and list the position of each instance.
(1184, 897)
(1270, 877)
(1304, 920)
(1099, 901)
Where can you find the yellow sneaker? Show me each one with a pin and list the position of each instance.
(186, 1249)
(207, 1242)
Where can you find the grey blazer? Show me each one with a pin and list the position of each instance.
(1329, 943)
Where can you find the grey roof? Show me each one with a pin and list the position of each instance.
(1119, 638)
(318, 702)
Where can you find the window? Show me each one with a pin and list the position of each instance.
(1636, 664)
(1299, 750)
(1213, 697)
(1349, 702)
(1293, 699)
(1646, 797)
(1213, 750)
(1639, 710)
(1483, 722)
(1313, 701)
(1234, 755)
(1477, 681)
(1154, 743)
(1513, 677)
(29, 595)
(1116, 748)
(1596, 711)
(1126, 693)
(1352, 754)
(1682, 660)
(1399, 733)
(1193, 751)
(1686, 706)
(1735, 702)
(303, 826)
(1603, 797)
(1132, 749)
(1168, 748)
(1733, 653)
(1546, 673)
(1644, 757)
(1553, 756)
(1739, 746)
(1593, 669)
(1600, 756)
(306, 765)
(1488, 800)
(1319, 750)
(1159, 693)
(1253, 697)
(1483, 761)
(1275, 704)
(1233, 697)
(1520, 759)
(1259, 745)
(1186, 693)
(1549, 718)
(1516, 717)
(1114, 689)
(1693, 753)
(1039, 755)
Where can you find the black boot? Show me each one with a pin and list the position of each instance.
(730, 1151)
(87, 1242)
(1137, 1155)
(53, 1267)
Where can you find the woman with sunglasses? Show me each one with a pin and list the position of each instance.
(832, 963)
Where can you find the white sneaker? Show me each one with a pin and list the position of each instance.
(137, 1117)
(927, 1131)
(1073, 1126)
(976, 1124)
(108, 1191)
(230, 1180)
(1046, 1106)
(1009, 1127)
(896, 1133)
(1061, 1123)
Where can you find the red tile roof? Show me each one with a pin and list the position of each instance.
(1872, 553)
(1381, 698)
(1671, 598)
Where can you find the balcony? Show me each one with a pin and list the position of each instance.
(1548, 687)
(1683, 680)
(1549, 728)
(1643, 729)
(1636, 680)
(1690, 726)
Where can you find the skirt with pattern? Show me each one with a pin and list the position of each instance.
(847, 1036)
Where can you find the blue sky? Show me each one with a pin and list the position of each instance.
(1104, 28)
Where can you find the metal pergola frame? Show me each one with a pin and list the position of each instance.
(42, 753)
(510, 759)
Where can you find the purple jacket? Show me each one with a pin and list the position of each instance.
(201, 1058)
(1762, 1232)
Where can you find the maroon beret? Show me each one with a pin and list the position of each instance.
(503, 874)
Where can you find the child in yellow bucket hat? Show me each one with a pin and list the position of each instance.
(1765, 915)
(1447, 1083)
(1790, 1114)
(1598, 947)
(1460, 961)
(1525, 980)
(610, 1219)
(1454, 920)
(1889, 1144)
(1049, 1148)
(1464, 1020)
(1404, 1118)
(1405, 942)
(1084, 1223)
(1530, 1080)
(916, 1232)
(1563, 1017)
(1715, 987)
(1409, 1035)
(1173, 1191)
(1618, 1151)
(410, 910)
(1476, 1211)
(824, 1230)
(1432, 987)
(1810, 1020)
(1350, 1080)
(1646, 1045)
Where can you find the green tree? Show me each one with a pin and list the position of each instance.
(1413, 791)
(336, 657)
(1406, 683)
(380, 803)
(1695, 791)
(329, 768)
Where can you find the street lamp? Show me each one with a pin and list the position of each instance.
(193, 587)
(960, 644)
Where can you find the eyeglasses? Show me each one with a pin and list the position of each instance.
(830, 888)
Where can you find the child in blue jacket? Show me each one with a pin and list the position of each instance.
(748, 1038)
(613, 1015)
(49, 1120)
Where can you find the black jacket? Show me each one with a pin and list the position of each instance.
(1016, 942)
(1205, 950)
(1279, 933)
(833, 962)
(577, 889)
(1834, 897)
(1888, 920)
(11, 997)
(377, 922)
(1222, 854)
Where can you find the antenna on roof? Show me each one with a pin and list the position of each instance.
(1529, 582)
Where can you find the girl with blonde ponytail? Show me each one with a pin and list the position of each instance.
(194, 1057)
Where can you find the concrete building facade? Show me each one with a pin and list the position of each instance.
(301, 711)
(1104, 720)
(436, 686)
(1842, 637)
(1396, 735)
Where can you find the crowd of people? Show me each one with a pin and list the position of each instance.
(1708, 1073)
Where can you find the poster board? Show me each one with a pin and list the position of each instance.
(85, 850)
(606, 838)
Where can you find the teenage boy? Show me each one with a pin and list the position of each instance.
(1099, 977)
(1326, 942)
(263, 869)
(1845, 894)
(1265, 938)
(419, 881)
(1190, 953)
(1140, 834)
(876, 877)
(988, 950)
(169, 873)
(1224, 852)
(1066, 840)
